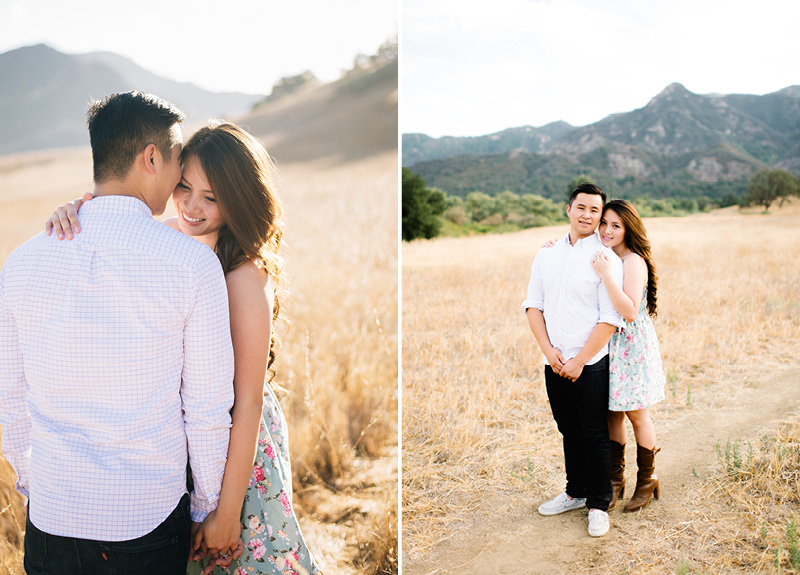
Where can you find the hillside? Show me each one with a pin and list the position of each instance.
(679, 144)
(45, 95)
(419, 147)
(352, 118)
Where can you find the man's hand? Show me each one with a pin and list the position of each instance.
(555, 359)
(572, 369)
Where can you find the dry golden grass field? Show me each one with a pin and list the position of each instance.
(481, 451)
(338, 362)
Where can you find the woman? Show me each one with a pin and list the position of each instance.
(636, 375)
(226, 200)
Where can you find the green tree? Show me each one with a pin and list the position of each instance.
(768, 186)
(478, 205)
(506, 203)
(418, 220)
(438, 201)
(543, 208)
(457, 215)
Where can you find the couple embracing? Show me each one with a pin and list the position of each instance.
(134, 398)
(589, 302)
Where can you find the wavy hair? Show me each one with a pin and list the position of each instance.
(636, 240)
(240, 173)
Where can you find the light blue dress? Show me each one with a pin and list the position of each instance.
(270, 530)
(636, 376)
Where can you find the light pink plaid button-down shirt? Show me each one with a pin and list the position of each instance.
(115, 363)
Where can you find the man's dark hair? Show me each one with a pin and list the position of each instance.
(122, 125)
(587, 188)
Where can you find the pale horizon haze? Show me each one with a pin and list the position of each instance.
(238, 45)
(471, 69)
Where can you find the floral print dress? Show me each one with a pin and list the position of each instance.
(636, 377)
(271, 533)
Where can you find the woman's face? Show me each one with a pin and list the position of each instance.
(198, 212)
(612, 230)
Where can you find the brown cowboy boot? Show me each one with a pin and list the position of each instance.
(646, 481)
(617, 472)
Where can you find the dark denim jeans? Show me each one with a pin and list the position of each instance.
(165, 550)
(580, 409)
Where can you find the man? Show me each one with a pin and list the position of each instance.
(116, 364)
(572, 319)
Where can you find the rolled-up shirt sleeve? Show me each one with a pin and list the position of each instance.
(207, 385)
(535, 295)
(608, 313)
(14, 414)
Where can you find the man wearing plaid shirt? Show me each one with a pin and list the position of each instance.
(116, 364)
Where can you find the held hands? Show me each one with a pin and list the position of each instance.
(64, 221)
(555, 359)
(568, 369)
(601, 264)
(572, 370)
(219, 538)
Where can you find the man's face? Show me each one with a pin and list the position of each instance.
(170, 172)
(584, 214)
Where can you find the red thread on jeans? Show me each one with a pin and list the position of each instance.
(104, 556)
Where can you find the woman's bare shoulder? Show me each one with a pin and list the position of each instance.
(633, 260)
(251, 283)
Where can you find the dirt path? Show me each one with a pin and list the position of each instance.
(520, 541)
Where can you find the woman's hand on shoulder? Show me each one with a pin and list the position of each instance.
(64, 221)
(601, 264)
(549, 243)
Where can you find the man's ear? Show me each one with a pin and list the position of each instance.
(149, 158)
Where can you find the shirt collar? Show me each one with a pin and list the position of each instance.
(117, 205)
(588, 241)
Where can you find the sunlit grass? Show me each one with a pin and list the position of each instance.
(337, 368)
(476, 421)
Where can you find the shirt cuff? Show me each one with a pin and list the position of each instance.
(199, 508)
(23, 490)
(528, 303)
(618, 321)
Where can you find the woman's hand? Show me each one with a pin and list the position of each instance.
(549, 243)
(218, 535)
(601, 264)
(64, 221)
(219, 561)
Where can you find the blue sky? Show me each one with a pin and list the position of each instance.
(229, 45)
(473, 68)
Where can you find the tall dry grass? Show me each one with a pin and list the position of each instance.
(339, 358)
(743, 518)
(337, 367)
(476, 423)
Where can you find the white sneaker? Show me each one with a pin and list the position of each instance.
(598, 522)
(560, 504)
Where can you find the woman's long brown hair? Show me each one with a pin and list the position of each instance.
(240, 173)
(636, 241)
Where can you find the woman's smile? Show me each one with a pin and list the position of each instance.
(198, 211)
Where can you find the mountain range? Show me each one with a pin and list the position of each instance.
(679, 144)
(46, 93)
